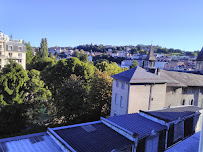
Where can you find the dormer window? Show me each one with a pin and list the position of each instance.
(20, 48)
(10, 47)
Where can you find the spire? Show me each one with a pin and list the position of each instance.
(200, 55)
(150, 55)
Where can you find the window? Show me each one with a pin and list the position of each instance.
(117, 83)
(19, 55)
(151, 144)
(192, 102)
(20, 61)
(183, 102)
(122, 101)
(20, 48)
(10, 47)
(178, 131)
(10, 55)
(116, 98)
(123, 85)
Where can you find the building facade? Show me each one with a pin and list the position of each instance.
(151, 88)
(11, 49)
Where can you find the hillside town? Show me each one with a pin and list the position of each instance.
(101, 76)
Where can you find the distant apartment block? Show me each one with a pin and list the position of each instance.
(11, 49)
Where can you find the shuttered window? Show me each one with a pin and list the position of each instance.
(152, 144)
(178, 131)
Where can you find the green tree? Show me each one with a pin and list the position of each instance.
(70, 99)
(44, 48)
(134, 64)
(99, 99)
(37, 91)
(76, 53)
(29, 54)
(111, 68)
(13, 80)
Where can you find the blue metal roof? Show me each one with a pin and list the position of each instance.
(173, 113)
(137, 124)
(41, 142)
(92, 137)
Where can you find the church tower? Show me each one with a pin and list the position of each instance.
(199, 61)
(149, 62)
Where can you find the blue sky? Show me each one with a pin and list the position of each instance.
(168, 23)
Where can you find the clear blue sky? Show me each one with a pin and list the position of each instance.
(168, 23)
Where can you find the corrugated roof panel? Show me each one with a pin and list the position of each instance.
(136, 124)
(29, 143)
(101, 139)
(173, 113)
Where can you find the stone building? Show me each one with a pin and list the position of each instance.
(147, 89)
(11, 49)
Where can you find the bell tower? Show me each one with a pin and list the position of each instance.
(199, 62)
(149, 62)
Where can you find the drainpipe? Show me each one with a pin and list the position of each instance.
(150, 94)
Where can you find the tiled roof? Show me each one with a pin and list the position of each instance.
(29, 143)
(136, 123)
(173, 113)
(181, 78)
(139, 75)
(95, 137)
(200, 56)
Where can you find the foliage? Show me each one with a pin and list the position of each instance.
(134, 64)
(37, 91)
(70, 99)
(13, 80)
(111, 68)
(29, 54)
(13, 118)
(44, 48)
(40, 64)
(99, 99)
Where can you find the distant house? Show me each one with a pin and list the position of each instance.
(12, 49)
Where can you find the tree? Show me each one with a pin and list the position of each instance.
(70, 99)
(13, 119)
(37, 91)
(44, 48)
(76, 53)
(99, 99)
(111, 68)
(29, 54)
(134, 64)
(134, 51)
(13, 80)
(84, 58)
